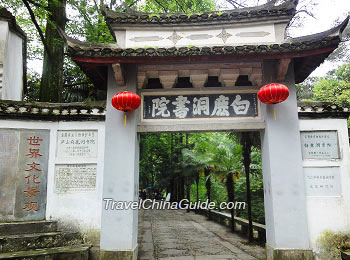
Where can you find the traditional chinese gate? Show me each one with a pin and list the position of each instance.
(202, 74)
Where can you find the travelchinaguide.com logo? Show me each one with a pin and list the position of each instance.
(111, 204)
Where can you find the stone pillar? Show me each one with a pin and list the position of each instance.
(284, 192)
(120, 180)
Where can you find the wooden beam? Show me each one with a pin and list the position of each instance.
(118, 74)
(141, 79)
(198, 78)
(256, 76)
(168, 78)
(282, 69)
(228, 77)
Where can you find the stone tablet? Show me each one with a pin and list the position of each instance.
(9, 141)
(322, 181)
(320, 145)
(76, 144)
(75, 178)
(32, 175)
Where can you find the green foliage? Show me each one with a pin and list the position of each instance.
(305, 90)
(164, 158)
(334, 88)
(33, 86)
(179, 6)
(331, 244)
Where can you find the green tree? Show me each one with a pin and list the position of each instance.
(52, 78)
(334, 88)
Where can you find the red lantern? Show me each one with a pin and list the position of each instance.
(126, 101)
(273, 93)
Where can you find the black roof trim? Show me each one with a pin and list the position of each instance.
(5, 15)
(268, 11)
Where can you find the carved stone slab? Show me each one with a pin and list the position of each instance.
(320, 145)
(76, 144)
(75, 178)
(24, 164)
(322, 181)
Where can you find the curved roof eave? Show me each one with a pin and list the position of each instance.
(308, 52)
(268, 11)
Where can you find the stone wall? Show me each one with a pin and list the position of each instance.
(71, 164)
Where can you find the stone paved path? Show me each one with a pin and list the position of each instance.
(179, 235)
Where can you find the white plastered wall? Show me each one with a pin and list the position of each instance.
(11, 64)
(81, 209)
(329, 212)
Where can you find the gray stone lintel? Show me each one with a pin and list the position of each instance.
(237, 126)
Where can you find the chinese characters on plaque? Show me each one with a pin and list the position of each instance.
(192, 106)
(32, 174)
(320, 145)
(78, 145)
(322, 181)
(75, 178)
(33, 157)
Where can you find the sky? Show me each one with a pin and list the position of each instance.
(326, 13)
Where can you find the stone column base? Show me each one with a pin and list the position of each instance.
(118, 255)
(288, 254)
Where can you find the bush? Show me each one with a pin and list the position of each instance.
(331, 244)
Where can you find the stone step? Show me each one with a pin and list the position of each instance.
(27, 227)
(56, 253)
(12, 243)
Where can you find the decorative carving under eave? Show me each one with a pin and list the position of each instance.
(282, 69)
(228, 77)
(227, 73)
(141, 79)
(168, 78)
(198, 78)
(118, 75)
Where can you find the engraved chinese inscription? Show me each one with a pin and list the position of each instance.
(200, 106)
(322, 181)
(32, 175)
(77, 144)
(75, 178)
(320, 145)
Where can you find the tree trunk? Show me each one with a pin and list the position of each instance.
(208, 187)
(197, 191)
(246, 162)
(231, 196)
(52, 78)
(188, 193)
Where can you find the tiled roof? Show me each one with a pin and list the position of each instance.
(321, 110)
(101, 50)
(53, 111)
(97, 110)
(7, 16)
(263, 12)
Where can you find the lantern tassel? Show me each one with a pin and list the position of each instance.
(124, 119)
(274, 111)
